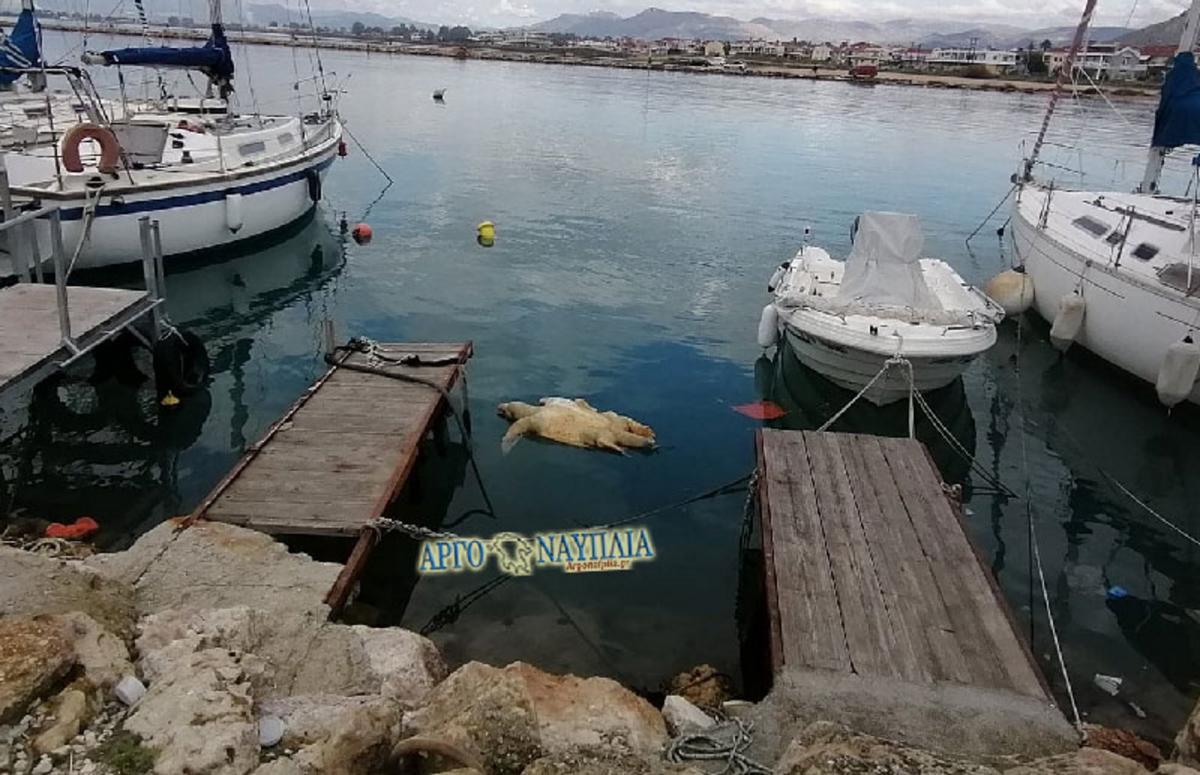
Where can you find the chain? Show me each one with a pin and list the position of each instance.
(385, 525)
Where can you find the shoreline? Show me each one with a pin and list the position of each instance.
(754, 69)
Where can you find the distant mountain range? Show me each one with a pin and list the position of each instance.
(1165, 33)
(655, 23)
(261, 14)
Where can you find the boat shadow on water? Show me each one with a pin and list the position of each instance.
(100, 436)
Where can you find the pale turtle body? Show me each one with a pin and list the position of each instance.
(575, 422)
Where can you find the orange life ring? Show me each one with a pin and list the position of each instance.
(110, 149)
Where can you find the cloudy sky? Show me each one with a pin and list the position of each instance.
(1024, 13)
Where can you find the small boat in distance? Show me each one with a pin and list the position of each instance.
(847, 320)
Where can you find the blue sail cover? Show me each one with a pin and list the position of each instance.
(214, 57)
(1177, 121)
(20, 49)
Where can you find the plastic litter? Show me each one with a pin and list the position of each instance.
(1108, 683)
(129, 690)
(1137, 710)
(80, 529)
(270, 731)
(1117, 592)
(761, 410)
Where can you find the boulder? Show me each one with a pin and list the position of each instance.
(198, 714)
(102, 654)
(509, 717)
(703, 686)
(34, 584)
(35, 656)
(823, 748)
(306, 654)
(70, 711)
(1085, 761)
(1187, 742)
(1123, 743)
(212, 565)
(407, 665)
(1174, 768)
(310, 719)
(683, 717)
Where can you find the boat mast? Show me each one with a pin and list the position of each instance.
(1157, 155)
(1067, 71)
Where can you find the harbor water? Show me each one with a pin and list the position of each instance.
(638, 217)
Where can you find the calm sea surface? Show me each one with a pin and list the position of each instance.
(639, 216)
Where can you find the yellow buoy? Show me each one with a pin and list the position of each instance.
(1012, 290)
(169, 399)
(487, 234)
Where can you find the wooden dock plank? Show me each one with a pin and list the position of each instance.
(30, 337)
(865, 545)
(340, 455)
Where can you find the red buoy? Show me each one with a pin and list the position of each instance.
(362, 233)
(342, 148)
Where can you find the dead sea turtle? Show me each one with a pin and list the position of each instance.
(574, 422)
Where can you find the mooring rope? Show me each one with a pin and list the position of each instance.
(1033, 541)
(727, 741)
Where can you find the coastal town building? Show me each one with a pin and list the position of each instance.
(996, 62)
(714, 48)
(1110, 61)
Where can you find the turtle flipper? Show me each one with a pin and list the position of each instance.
(514, 434)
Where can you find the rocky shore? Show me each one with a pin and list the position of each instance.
(208, 651)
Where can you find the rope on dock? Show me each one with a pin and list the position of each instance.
(463, 420)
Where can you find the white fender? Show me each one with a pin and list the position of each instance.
(1178, 372)
(233, 212)
(1012, 290)
(773, 283)
(1068, 321)
(768, 327)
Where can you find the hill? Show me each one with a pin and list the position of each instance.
(1165, 33)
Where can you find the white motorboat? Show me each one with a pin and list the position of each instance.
(847, 320)
(212, 178)
(1118, 272)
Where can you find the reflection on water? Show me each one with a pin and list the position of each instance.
(639, 216)
(810, 400)
(89, 443)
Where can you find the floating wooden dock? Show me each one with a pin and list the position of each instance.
(341, 453)
(869, 571)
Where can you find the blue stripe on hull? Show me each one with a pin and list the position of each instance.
(188, 200)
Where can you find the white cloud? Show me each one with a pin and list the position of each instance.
(517, 10)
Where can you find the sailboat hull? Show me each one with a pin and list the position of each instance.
(1129, 321)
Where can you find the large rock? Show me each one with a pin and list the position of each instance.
(1124, 743)
(70, 711)
(349, 735)
(1085, 761)
(306, 654)
(199, 715)
(509, 717)
(824, 748)
(34, 584)
(102, 654)
(214, 565)
(683, 717)
(35, 656)
(407, 665)
(1187, 742)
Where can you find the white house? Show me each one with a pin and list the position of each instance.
(714, 48)
(996, 61)
(821, 53)
(757, 48)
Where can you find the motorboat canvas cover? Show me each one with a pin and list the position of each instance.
(884, 266)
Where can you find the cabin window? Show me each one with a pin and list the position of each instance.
(286, 138)
(1091, 225)
(1116, 238)
(249, 149)
(1145, 251)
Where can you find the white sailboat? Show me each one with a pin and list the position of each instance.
(1118, 272)
(849, 320)
(212, 178)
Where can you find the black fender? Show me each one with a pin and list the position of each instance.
(181, 364)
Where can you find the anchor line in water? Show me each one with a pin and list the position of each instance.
(1036, 557)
